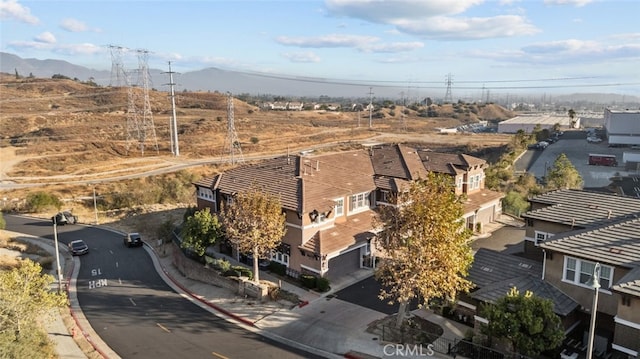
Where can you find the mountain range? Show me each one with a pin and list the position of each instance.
(215, 79)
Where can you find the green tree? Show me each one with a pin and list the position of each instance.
(25, 298)
(563, 175)
(526, 321)
(426, 247)
(201, 231)
(40, 201)
(515, 202)
(572, 116)
(255, 223)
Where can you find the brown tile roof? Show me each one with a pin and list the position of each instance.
(449, 163)
(356, 230)
(616, 244)
(476, 200)
(584, 209)
(629, 284)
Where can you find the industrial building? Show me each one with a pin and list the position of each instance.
(622, 127)
(529, 122)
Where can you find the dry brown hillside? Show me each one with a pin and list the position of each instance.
(62, 127)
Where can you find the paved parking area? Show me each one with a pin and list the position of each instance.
(575, 146)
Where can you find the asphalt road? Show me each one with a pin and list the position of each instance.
(136, 313)
(365, 293)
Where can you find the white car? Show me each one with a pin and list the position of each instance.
(594, 139)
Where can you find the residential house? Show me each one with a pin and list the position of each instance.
(570, 231)
(493, 274)
(330, 199)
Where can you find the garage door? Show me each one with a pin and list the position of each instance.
(344, 264)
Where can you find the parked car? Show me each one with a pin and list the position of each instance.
(78, 247)
(132, 240)
(594, 139)
(64, 217)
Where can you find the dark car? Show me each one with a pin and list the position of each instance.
(248, 260)
(78, 247)
(132, 240)
(65, 217)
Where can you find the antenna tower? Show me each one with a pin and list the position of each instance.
(147, 128)
(370, 107)
(232, 142)
(117, 68)
(448, 81)
(173, 123)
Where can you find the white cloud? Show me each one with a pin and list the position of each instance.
(46, 37)
(12, 10)
(305, 57)
(73, 25)
(66, 49)
(331, 40)
(391, 11)
(392, 47)
(577, 3)
(434, 19)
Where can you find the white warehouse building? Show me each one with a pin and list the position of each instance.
(528, 122)
(623, 127)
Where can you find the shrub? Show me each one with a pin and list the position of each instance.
(3, 223)
(322, 284)
(308, 281)
(239, 271)
(221, 264)
(255, 140)
(277, 268)
(40, 201)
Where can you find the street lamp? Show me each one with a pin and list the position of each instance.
(592, 326)
(95, 204)
(55, 240)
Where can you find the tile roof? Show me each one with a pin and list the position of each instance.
(478, 199)
(616, 244)
(490, 267)
(562, 303)
(584, 209)
(630, 283)
(356, 230)
(312, 182)
(409, 163)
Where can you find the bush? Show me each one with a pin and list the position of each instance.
(277, 268)
(40, 201)
(3, 223)
(308, 281)
(239, 271)
(221, 264)
(322, 284)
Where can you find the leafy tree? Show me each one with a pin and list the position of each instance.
(425, 244)
(563, 175)
(25, 298)
(572, 116)
(515, 202)
(40, 201)
(201, 231)
(526, 321)
(254, 222)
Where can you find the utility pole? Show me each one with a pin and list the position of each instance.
(370, 107)
(448, 81)
(173, 123)
(55, 241)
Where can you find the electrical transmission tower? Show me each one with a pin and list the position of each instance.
(118, 75)
(173, 123)
(370, 106)
(448, 81)
(232, 142)
(140, 124)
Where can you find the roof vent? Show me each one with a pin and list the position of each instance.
(487, 269)
(615, 250)
(609, 214)
(524, 265)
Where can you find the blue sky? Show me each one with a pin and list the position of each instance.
(539, 46)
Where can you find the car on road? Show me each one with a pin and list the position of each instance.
(133, 240)
(64, 217)
(78, 247)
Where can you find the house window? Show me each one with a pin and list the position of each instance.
(459, 181)
(542, 236)
(359, 201)
(205, 193)
(339, 207)
(280, 257)
(384, 196)
(578, 271)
